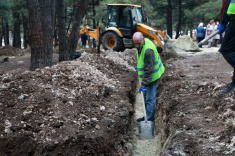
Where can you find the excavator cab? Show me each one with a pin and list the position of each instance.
(120, 24)
(124, 17)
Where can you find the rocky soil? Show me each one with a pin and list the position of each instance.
(87, 106)
(192, 116)
(80, 107)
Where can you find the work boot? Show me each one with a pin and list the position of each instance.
(140, 119)
(227, 90)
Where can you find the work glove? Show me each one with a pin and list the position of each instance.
(221, 28)
(142, 89)
(136, 68)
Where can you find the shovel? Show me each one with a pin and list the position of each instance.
(145, 127)
(208, 37)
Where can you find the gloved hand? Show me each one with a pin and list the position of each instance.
(136, 68)
(142, 89)
(221, 28)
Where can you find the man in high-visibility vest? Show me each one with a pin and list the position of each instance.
(150, 69)
(227, 48)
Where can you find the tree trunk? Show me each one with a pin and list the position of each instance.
(2, 32)
(63, 39)
(26, 32)
(56, 33)
(37, 49)
(16, 33)
(79, 14)
(6, 32)
(191, 33)
(3, 29)
(169, 18)
(70, 20)
(179, 19)
(48, 21)
(41, 20)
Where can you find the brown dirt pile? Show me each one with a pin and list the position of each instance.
(10, 51)
(80, 107)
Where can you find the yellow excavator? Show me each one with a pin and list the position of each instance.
(122, 21)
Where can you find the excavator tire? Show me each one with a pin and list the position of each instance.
(112, 41)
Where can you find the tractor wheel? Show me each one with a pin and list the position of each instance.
(112, 41)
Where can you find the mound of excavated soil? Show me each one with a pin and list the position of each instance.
(10, 51)
(80, 107)
(186, 43)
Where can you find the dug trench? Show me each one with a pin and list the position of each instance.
(88, 107)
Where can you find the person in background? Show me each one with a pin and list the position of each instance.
(150, 69)
(227, 49)
(216, 38)
(200, 33)
(84, 39)
(210, 30)
(207, 31)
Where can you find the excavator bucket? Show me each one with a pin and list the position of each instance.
(168, 47)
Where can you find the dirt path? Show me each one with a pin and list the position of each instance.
(21, 62)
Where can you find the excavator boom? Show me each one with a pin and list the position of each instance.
(94, 33)
(158, 37)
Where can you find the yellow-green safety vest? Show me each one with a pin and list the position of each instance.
(158, 65)
(231, 8)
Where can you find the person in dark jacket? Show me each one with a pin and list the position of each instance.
(84, 39)
(150, 69)
(200, 33)
(227, 48)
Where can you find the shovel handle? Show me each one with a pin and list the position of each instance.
(142, 97)
(208, 37)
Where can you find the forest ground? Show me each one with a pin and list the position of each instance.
(88, 106)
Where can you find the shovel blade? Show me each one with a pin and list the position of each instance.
(146, 130)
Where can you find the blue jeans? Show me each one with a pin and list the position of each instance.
(149, 99)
